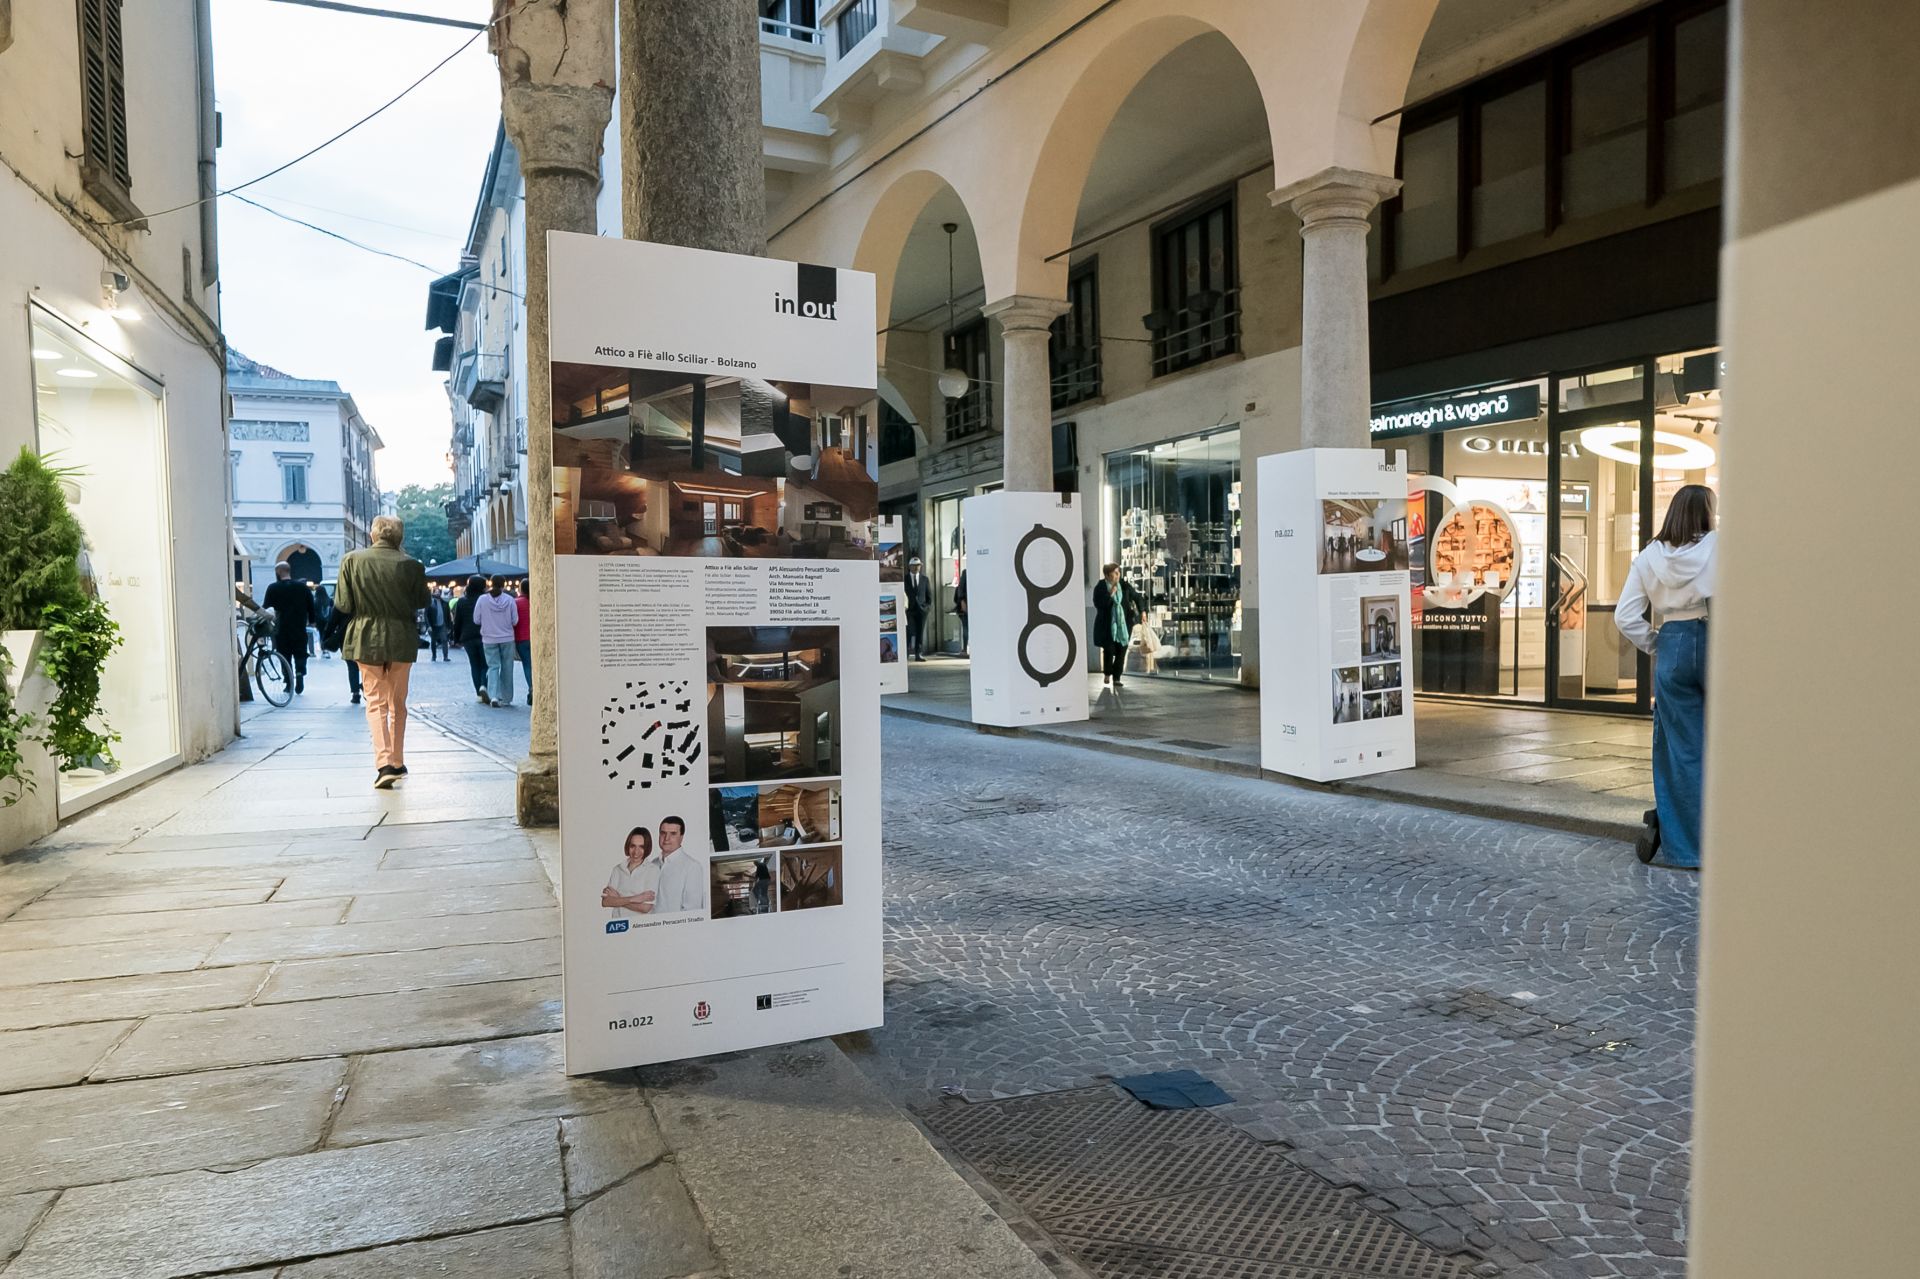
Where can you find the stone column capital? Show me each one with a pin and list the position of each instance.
(557, 128)
(1335, 196)
(1025, 313)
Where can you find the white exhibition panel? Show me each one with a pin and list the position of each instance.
(631, 304)
(1336, 695)
(719, 671)
(1026, 600)
(893, 609)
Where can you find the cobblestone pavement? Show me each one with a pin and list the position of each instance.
(442, 693)
(1486, 1025)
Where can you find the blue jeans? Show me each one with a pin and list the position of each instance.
(524, 649)
(500, 673)
(1679, 737)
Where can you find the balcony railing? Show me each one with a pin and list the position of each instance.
(1205, 327)
(855, 23)
(789, 30)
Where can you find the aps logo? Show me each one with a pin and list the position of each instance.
(816, 294)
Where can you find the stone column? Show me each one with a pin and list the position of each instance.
(1026, 380)
(690, 147)
(556, 77)
(1336, 396)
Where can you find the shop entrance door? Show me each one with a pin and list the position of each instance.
(1602, 427)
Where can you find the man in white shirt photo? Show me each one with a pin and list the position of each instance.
(682, 885)
(636, 876)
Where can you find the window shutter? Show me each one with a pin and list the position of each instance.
(103, 86)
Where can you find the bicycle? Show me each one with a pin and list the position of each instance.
(272, 672)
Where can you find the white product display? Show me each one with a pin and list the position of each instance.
(716, 523)
(893, 609)
(1026, 601)
(1336, 687)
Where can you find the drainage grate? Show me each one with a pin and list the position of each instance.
(1187, 743)
(1132, 1192)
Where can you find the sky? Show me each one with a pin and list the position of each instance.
(287, 78)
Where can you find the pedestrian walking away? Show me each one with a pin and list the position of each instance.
(495, 615)
(1662, 611)
(439, 624)
(322, 614)
(523, 633)
(919, 593)
(466, 634)
(381, 589)
(960, 611)
(1116, 611)
(293, 613)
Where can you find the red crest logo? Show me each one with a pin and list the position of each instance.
(701, 1012)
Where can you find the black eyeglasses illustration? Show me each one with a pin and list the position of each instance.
(1036, 595)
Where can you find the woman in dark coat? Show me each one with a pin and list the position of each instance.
(466, 633)
(1116, 611)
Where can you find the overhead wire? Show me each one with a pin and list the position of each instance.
(368, 248)
(371, 115)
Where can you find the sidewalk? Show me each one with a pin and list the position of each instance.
(259, 1019)
(1579, 772)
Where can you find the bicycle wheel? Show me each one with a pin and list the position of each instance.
(274, 675)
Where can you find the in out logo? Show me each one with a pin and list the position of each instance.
(816, 296)
(761, 1003)
(701, 1012)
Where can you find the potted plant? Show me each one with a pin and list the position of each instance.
(58, 636)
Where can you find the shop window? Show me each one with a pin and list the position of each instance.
(1075, 348)
(1694, 131)
(1176, 537)
(1605, 165)
(106, 168)
(967, 350)
(101, 419)
(1196, 290)
(1510, 178)
(1428, 228)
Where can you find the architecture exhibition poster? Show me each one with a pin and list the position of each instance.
(715, 475)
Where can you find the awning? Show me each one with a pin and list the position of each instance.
(469, 565)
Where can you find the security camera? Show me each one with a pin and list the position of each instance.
(114, 281)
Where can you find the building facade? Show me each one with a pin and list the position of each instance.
(111, 355)
(302, 462)
(481, 310)
(1540, 185)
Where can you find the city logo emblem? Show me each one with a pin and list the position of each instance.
(701, 1012)
(618, 925)
(762, 1002)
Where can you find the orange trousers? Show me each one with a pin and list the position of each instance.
(385, 687)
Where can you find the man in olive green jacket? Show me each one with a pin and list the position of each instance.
(381, 587)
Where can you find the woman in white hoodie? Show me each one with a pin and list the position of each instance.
(1663, 612)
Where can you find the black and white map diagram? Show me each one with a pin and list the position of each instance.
(649, 733)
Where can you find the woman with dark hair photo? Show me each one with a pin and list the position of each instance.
(1662, 611)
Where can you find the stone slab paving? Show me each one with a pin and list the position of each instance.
(535, 1251)
(485, 899)
(424, 1091)
(411, 970)
(73, 1136)
(55, 1055)
(333, 1027)
(192, 1223)
(791, 1154)
(1485, 1026)
(375, 1095)
(386, 935)
(67, 1003)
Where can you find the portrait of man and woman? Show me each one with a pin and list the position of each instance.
(656, 876)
